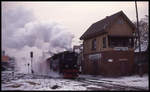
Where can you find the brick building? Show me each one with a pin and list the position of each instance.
(108, 46)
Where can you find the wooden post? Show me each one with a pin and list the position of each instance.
(139, 55)
(31, 55)
(28, 68)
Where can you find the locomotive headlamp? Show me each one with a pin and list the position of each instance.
(66, 66)
(75, 65)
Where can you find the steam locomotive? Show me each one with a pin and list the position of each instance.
(65, 63)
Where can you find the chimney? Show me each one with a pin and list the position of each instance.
(107, 16)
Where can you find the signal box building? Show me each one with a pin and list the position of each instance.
(108, 46)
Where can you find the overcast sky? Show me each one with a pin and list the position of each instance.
(78, 16)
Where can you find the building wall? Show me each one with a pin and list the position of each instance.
(122, 64)
(102, 66)
(120, 29)
(87, 45)
(99, 44)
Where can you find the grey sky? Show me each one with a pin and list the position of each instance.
(78, 16)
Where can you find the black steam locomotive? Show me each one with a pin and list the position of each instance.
(65, 63)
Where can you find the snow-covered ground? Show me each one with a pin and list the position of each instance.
(132, 81)
(18, 81)
(37, 82)
(42, 84)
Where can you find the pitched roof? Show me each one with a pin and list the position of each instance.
(100, 26)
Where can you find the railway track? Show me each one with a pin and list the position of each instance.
(109, 86)
(106, 85)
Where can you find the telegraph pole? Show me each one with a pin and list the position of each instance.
(28, 67)
(139, 44)
(31, 55)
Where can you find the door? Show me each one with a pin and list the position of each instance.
(95, 67)
(124, 68)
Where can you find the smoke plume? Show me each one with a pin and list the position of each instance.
(22, 33)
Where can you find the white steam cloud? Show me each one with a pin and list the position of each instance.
(22, 33)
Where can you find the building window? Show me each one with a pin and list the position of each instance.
(104, 42)
(120, 21)
(131, 43)
(94, 44)
(121, 42)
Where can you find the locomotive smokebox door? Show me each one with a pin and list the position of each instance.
(31, 54)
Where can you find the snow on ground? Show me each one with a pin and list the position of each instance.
(133, 81)
(18, 81)
(42, 84)
(136, 81)
(37, 82)
(94, 86)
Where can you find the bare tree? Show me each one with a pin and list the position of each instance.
(144, 31)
